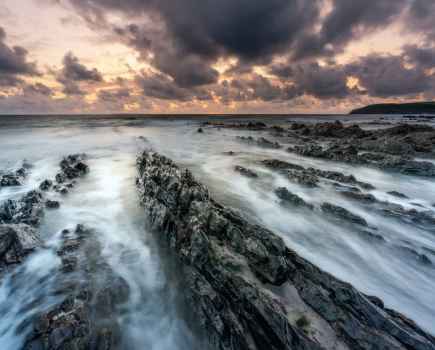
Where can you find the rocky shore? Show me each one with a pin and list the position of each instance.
(392, 149)
(247, 289)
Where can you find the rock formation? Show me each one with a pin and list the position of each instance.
(246, 289)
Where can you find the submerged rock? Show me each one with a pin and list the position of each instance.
(290, 198)
(228, 265)
(245, 172)
(16, 242)
(14, 178)
(398, 194)
(261, 142)
(28, 209)
(343, 213)
(52, 204)
(46, 185)
(359, 196)
(303, 177)
(86, 318)
(277, 164)
(72, 167)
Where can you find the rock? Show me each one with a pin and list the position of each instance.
(277, 164)
(46, 185)
(87, 316)
(72, 167)
(290, 198)
(16, 242)
(245, 172)
(410, 216)
(359, 196)
(419, 257)
(230, 153)
(60, 178)
(310, 150)
(52, 204)
(398, 194)
(261, 142)
(15, 178)
(303, 177)
(27, 210)
(343, 213)
(236, 274)
(410, 167)
(340, 177)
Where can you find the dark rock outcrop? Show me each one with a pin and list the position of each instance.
(303, 177)
(52, 204)
(72, 167)
(16, 242)
(261, 142)
(242, 282)
(276, 164)
(398, 194)
(46, 185)
(349, 153)
(343, 213)
(290, 198)
(27, 210)
(245, 171)
(86, 318)
(14, 178)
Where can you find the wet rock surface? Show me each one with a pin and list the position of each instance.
(343, 213)
(20, 218)
(27, 210)
(392, 149)
(245, 171)
(86, 316)
(16, 242)
(261, 142)
(236, 274)
(290, 198)
(14, 178)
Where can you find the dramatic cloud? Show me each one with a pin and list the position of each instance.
(73, 72)
(13, 63)
(420, 18)
(37, 89)
(222, 55)
(246, 28)
(386, 76)
(348, 20)
(420, 56)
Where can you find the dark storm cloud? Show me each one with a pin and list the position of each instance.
(420, 56)
(162, 87)
(348, 20)
(13, 63)
(114, 95)
(246, 28)
(38, 89)
(420, 18)
(387, 76)
(312, 79)
(183, 40)
(321, 82)
(73, 73)
(186, 68)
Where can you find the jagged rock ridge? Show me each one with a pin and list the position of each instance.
(247, 289)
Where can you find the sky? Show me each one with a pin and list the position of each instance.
(214, 56)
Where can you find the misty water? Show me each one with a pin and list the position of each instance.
(106, 200)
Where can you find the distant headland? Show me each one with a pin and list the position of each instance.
(397, 108)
